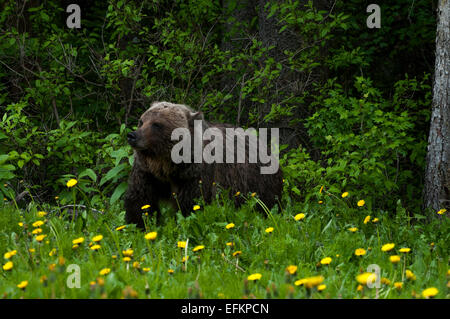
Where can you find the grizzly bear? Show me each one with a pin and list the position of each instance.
(155, 176)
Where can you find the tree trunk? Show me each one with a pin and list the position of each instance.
(437, 181)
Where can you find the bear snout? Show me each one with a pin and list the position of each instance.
(132, 138)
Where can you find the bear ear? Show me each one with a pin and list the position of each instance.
(196, 116)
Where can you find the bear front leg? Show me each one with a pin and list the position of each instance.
(143, 189)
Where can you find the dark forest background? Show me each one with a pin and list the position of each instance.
(353, 104)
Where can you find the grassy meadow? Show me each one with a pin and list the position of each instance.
(320, 250)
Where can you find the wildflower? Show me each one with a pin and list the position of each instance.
(20, 224)
(71, 183)
(104, 271)
(410, 275)
(320, 201)
(388, 247)
(9, 254)
(442, 211)
(361, 203)
(8, 266)
(126, 259)
(299, 216)
(326, 261)
(253, 277)
(197, 248)
(359, 288)
(313, 281)
(146, 269)
(229, 244)
(151, 235)
(170, 271)
(321, 189)
(97, 238)
(367, 219)
(184, 259)
(145, 207)
(300, 282)
(430, 292)
(95, 247)
(136, 264)
(23, 284)
(394, 259)
(292, 269)
(38, 223)
(253, 194)
(236, 253)
(75, 246)
(196, 207)
(31, 250)
(229, 226)
(385, 281)
(269, 230)
(405, 250)
(353, 229)
(121, 227)
(52, 252)
(37, 231)
(43, 279)
(40, 238)
(360, 252)
(51, 267)
(366, 277)
(78, 241)
(181, 244)
(41, 214)
(375, 220)
(321, 287)
(344, 194)
(237, 194)
(398, 285)
(128, 252)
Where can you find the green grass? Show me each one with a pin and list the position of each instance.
(213, 272)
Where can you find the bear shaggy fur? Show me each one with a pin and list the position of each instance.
(155, 177)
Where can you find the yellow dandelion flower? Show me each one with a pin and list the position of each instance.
(385, 281)
(430, 292)
(95, 247)
(300, 282)
(20, 224)
(196, 207)
(170, 271)
(388, 247)
(128, 252)
(344, 194)
(146, 269)
(442, 211)
(299, 216)
(41, 214)
(23, 284)
(71, 182)
(320, 201)
(253, 194)
(313, 281)
(410, 275)
(253, 277)
(136, 264)
(367, 219)
(199, 247)
(8, 266)
(31, 250)
(181, 244)
(237, 253)
(75, 246)
(37, 231)
(121, 227)
(269, 230)
(360, 252)
(326, 261)
(361, 203)
(229, 244)
(126, 259)
(151, 235)
(97, 238)
(237, 194)
(9, 254)
(394, 259)
(184, 259)
(229, 226)
(145, 207)
(38, 223)
(321, 189)
(359, 288)
(366, 277)
(291, 269)
(40, 238)
(404, 250)
(78, 241)
(375, 220)
(353, 229)
(52, 252)
(321, 287)
(398, 285)
(104, 271)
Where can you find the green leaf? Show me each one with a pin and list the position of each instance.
(118, 192)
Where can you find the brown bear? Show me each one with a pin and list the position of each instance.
(156, 176)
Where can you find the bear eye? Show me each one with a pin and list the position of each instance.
(157, 125)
